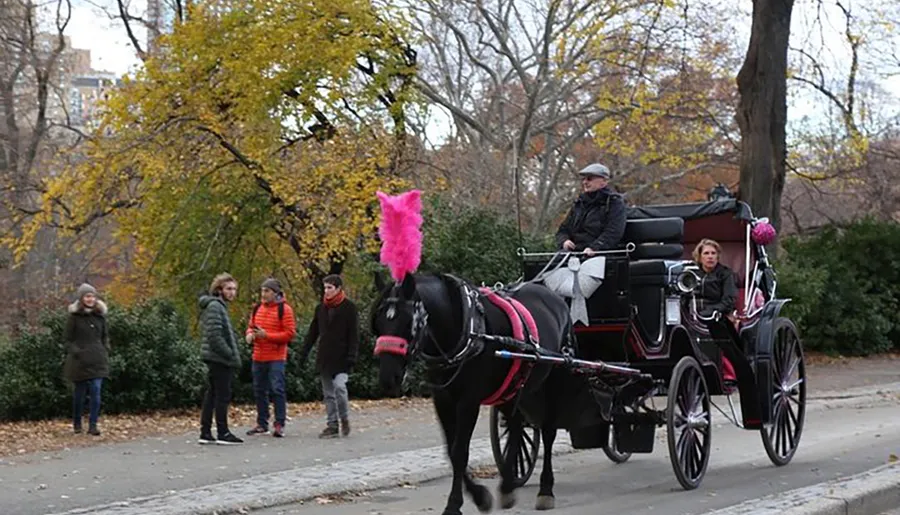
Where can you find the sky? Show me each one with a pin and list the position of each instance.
(91, 29)
(111, 50)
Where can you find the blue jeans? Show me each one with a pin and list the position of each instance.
(268, 379)
(82, 389)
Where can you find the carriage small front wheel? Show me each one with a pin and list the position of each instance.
(526, 459)
(782, 437)
(688, 423)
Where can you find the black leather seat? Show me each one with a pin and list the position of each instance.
(657, 242)
(658, 238)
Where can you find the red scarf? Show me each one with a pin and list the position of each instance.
(335, 301)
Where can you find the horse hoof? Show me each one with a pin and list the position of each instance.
(545, 502)
(507, 501)
(483, 499)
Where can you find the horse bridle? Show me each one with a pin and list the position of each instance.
(398, 345)
(469, 346)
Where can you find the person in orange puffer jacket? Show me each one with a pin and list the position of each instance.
(271, 329)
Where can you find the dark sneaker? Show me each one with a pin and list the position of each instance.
(78, 430)
(345, 427)
(279, 431)
(229, 439)
(258, 430)
(94, 431)
(329, 432)
(206, 439)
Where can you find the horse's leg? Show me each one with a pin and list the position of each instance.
(446, 412)
(545, 500)
(508, 469)
(466, 419)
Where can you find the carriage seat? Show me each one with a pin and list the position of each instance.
(658, 242)
(655, 238)
(658, 245)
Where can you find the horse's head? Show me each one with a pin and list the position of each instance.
(398, 322)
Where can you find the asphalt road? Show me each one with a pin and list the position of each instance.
(837, 442)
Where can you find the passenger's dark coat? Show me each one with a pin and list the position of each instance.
(717, 291)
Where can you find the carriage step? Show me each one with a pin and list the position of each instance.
(636, 438)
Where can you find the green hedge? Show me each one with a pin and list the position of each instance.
(845, 287)
(154, 362)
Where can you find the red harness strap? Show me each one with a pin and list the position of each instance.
(518, 373)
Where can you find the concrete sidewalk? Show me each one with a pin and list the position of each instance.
(293, 468)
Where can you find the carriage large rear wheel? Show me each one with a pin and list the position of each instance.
(782, 437)
(527, 456)
(688, 423)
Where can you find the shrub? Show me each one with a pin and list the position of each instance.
(474, 243)
(845, 286)
(153, 365)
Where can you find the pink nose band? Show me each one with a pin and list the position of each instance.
(391, 345)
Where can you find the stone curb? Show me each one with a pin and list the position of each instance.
(363, 474)
(869, 493)
(292, 486)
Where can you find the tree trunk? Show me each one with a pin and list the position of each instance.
(762, 111)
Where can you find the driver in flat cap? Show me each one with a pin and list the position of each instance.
(596, 221)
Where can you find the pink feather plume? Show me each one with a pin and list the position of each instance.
(401, 238)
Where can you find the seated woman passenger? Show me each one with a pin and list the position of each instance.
(717, 290)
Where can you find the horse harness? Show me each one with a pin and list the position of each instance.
(525, 337)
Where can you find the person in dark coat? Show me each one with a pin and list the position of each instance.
(335, 325)
(219, 351)
(717, 290)
(87, 354)
(596, 221)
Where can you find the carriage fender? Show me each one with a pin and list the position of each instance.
(765, 335)
(680, 343)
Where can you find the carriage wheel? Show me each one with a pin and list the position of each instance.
(688, 422)
(782, 437)
(611, 450)
(528, 452)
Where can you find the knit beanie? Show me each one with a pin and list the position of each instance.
(84, 289)
(272, 284)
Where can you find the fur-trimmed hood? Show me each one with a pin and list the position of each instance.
(79, 308)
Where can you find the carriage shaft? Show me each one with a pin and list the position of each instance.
(597, 366)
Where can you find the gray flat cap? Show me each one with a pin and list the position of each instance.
(595, 169)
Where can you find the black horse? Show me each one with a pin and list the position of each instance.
(442, 320)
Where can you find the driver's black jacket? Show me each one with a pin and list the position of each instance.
(596, 221)
(717, 291)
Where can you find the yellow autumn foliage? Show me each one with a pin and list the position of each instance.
(253, 139)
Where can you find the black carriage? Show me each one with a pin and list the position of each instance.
(645, 339)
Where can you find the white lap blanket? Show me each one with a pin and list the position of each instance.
(578, 281)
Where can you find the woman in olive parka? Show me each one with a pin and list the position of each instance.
(87, 355)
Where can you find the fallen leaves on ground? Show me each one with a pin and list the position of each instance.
(484, 472)
(21, 438)
(820, 359)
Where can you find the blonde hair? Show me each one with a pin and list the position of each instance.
(219, 282)
(706, 242)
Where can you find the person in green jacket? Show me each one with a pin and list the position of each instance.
(219, 351)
